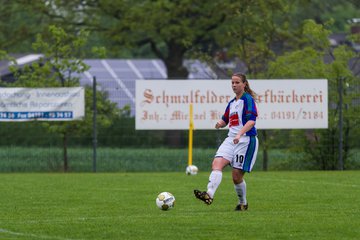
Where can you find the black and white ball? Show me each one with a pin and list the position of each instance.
(165, 201)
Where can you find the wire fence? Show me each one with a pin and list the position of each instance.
(29, 147)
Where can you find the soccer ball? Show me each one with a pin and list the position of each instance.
(191, 170)
(165, 201)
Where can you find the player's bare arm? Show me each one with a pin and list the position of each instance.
(220, 124)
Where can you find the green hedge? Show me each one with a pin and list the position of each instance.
(36, 159)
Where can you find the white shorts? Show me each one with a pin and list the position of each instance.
(242, 155)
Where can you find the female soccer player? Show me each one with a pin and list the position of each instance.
(240, 148)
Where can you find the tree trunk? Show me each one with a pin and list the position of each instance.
(265, 151)
(174, 62)
(175, 70)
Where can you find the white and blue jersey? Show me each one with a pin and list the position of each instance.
(238, 113)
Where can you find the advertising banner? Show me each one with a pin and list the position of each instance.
(44, 104)
(281, 104)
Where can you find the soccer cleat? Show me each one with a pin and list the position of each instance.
(203, 196)
(241, 207)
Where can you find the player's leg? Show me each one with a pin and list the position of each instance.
(216, 175)
(240, 189)
(214, 180)
(220, 161)
(246, 152)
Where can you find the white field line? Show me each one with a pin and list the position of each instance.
(63, 220)
(5, 231)
(308, 182)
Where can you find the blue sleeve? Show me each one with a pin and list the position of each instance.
(250, 108)
(225, 117)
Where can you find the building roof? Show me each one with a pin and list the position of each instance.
(117, 76)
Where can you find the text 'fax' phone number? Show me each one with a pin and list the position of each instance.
(32, 115)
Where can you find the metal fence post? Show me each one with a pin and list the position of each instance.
(340, 160)
(94, 124)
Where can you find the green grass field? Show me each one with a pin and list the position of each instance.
(282, 205)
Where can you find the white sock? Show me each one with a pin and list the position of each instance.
(214, 182)
(240, 190)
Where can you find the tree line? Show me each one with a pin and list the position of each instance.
(272, 39)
